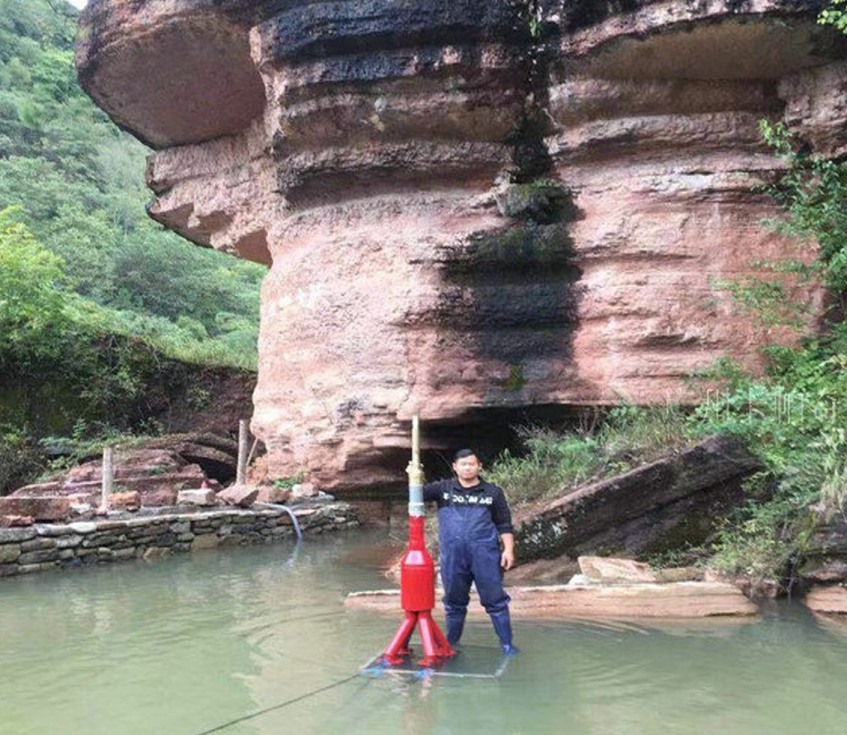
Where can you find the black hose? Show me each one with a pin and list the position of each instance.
(287, 702)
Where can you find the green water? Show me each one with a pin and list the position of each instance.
(185, 645)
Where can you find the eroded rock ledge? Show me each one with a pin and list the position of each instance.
(608, 588)
(370, 154)
(669, 503)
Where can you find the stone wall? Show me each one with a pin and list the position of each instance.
(60, 546)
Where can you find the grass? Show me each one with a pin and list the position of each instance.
(556, 462)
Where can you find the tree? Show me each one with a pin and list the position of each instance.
(33, 292)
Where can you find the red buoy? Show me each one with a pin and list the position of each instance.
(417, 580)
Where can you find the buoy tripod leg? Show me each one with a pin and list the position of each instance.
(399, 646)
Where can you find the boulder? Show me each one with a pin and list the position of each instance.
(826, 599)
(544, 571)
(304, 490)
(202, 496)
(159, 497)
(53, 487)
(608, 570)
(16, 521)
(641, 509)
(82, 510)
(825, 553)
(46, 508)
(130, 500)
(242, 496)
(275, 495)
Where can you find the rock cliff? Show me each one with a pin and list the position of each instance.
(470, 209)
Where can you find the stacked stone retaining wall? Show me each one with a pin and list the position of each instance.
(58, 546)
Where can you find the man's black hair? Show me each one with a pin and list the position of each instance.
(467, 452)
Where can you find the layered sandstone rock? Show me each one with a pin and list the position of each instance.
(470, 209)
(676, 600)
(154, 474)
(668, 503)
(829, 599)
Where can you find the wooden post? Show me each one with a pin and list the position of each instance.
(106, 486)
(241, 469)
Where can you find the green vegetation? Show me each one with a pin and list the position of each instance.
(835, 15)
(794, 418)
(556, 462)
(78, 185)
(103, 313)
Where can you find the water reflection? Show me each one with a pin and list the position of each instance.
(184, 645)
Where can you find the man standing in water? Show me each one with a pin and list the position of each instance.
(473, 521)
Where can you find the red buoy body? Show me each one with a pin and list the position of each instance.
(417, 598)
(417, 572)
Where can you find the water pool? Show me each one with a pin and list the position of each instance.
(199, 643)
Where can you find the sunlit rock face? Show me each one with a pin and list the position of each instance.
(476, 210)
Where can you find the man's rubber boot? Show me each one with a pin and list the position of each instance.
(503, 628)
(455, 625)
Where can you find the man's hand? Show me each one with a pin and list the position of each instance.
(507, 558)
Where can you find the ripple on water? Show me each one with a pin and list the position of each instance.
(220, 635)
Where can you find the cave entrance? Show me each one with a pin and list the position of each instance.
(490, 431)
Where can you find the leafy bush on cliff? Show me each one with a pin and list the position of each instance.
(794, 417)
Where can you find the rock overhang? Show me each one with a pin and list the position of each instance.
(726, 47)
(370, 153)
(214, 90)
(158, 67)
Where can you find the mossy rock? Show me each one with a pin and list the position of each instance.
(541, 201)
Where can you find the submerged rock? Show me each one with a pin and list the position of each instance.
(621, 601)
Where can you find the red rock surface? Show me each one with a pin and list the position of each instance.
(125, 501)
(827, 599)
(151, 476)
(242, 496)
(40, 509)
(368, 153)
(672, 498)
(270, 494)
(12, 521)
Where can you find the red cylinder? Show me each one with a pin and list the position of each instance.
(417, 571)
(417, 581)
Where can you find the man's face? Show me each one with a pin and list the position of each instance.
(467, 468)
